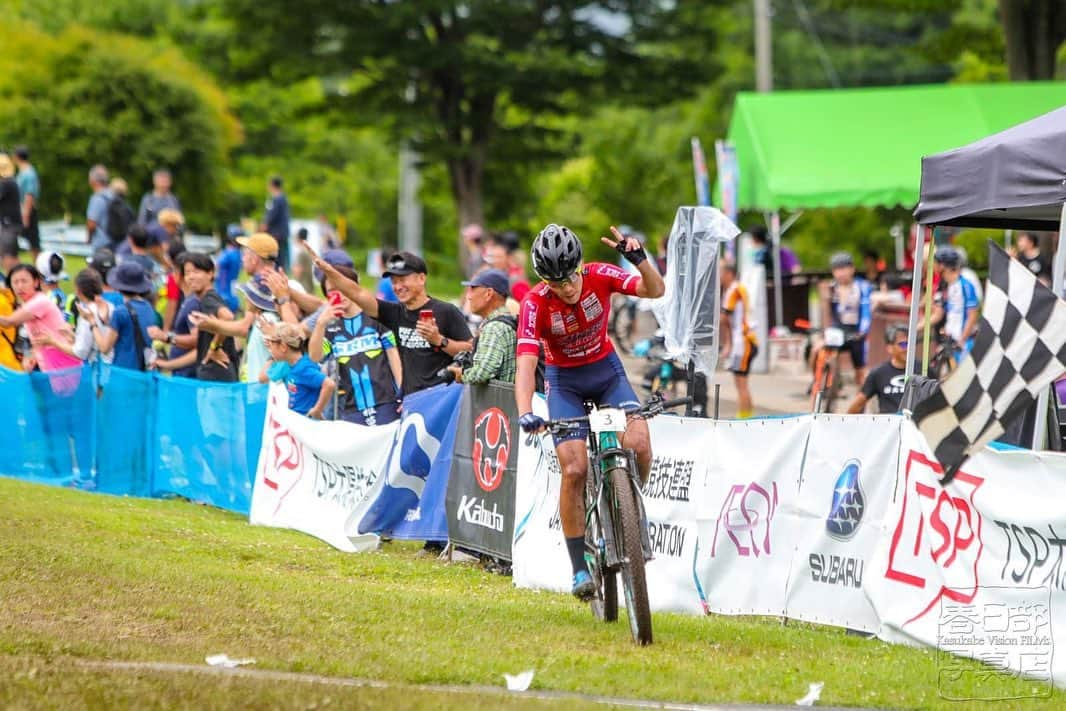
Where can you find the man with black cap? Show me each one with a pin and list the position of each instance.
(494, 347)
(429, 332)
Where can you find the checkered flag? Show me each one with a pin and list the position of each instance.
(1019, 350)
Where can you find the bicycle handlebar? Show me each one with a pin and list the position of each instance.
(654, 406)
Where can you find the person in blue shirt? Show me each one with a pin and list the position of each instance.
(309, 388)
(958, 307)
(850, 310)
(229, 268)
(128, 334)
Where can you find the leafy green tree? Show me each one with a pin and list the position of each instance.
(83, 97)
(471, 80)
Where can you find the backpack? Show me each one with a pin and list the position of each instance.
(119, 218)
(512, 321)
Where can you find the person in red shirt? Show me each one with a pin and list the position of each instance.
(567, 313)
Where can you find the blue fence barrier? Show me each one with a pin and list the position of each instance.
(124, 432)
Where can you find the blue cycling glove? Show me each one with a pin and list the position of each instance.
(530, 423)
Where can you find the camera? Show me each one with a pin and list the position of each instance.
(463, 359)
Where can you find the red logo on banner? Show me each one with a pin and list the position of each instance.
(288, 455)
(953, 528)
(492, 447)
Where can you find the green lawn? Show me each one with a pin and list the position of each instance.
(86, 577)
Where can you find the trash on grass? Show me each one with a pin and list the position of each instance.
(813, 694)
(519, 682)
(223, 660)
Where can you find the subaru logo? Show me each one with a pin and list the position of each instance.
(845, 513)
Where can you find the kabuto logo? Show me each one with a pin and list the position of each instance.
(492, 447)
(845, 513)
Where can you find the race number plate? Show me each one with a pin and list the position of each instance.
(834, 337)
(607, 419)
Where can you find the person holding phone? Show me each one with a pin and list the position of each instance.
(369, 374)
(429, 332)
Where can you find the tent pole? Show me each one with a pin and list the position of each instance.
(928, 300)
(1008, 237)
(775, 230)
(1058, 270)
(916, 290)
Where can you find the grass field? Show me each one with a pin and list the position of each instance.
(89, 578)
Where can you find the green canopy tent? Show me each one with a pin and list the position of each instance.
(863, 147)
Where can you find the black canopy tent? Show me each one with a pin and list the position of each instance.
(1014, 179)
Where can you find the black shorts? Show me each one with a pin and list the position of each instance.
(857, 350)
(740, 363)
(32, 232)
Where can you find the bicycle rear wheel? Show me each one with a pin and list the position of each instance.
(627, 538)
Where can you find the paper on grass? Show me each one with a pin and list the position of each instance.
(813, 693)
(223, 660)
(519, 682)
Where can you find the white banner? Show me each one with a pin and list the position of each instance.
(745, 543)
(976, 568)
(840, 512)
(539, 553)
(671, 499)
(313, 475)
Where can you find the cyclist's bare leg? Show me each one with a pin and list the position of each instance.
(574, 464)
(638, 439)
(745, 406)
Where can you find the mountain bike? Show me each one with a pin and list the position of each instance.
(616, 528)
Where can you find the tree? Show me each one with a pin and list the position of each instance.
(1034, 30)
(84, 97)
(468, 79)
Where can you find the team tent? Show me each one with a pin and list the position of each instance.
(863, 147)
(1014, 179)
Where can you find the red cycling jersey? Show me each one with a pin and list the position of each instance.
(573, 334)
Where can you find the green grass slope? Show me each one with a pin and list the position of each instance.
(87, 577)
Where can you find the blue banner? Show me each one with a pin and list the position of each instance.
(410, 504)
(128, 433)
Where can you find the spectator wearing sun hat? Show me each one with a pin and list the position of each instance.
(128, 336)
(309, 389)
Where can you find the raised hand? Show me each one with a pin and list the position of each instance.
(628, 247)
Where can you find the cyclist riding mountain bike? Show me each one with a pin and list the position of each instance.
(849, 302)
(568, 313)
(958, 307)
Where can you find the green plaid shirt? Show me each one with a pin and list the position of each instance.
(494, 350)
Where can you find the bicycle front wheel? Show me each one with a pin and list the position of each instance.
(627, 537)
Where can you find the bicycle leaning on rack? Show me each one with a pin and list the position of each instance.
(616, 529)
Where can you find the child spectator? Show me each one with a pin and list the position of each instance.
(309, 389)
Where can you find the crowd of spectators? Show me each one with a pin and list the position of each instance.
(146, 303)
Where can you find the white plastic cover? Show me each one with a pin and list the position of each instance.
(688, 312)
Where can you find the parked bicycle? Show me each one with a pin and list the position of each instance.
(826, 386)
(616, 528)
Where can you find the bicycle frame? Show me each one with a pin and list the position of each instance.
(607, 454)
